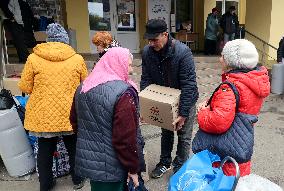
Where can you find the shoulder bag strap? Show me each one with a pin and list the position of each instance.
(235, 90)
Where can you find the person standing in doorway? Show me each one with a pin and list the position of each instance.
(19, 22)
(230, 24)
(211, 32)
(168, 62)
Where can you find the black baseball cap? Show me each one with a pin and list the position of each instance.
(154, 27)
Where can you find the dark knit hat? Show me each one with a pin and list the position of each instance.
(56, 33)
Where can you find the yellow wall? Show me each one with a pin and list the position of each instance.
(277, 26)
(78, 19)
(199, 21)
(143, 17)
(208, 6)
(242, 11)
(267, 25)
(259, 24)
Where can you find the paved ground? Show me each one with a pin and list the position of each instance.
(268, 158)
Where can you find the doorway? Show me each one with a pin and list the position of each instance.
(118, 17)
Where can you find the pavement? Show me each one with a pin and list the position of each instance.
(268, 157)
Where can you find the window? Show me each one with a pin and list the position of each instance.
(126, 15)
(183, 10)
(99, 15)
(228, 4)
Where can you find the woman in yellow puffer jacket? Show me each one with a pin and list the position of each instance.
(51, 75)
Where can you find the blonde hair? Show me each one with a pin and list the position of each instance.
(102, 38)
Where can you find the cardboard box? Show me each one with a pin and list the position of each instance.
(159, 105)
(12, 84)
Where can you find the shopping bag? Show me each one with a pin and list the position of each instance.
(253, 182)
(197, 174)
(232, 142)
(61, 166)
(21, 106)
(6, 99)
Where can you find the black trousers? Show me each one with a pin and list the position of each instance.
(210, 47)
(21, 39)
(46, 148)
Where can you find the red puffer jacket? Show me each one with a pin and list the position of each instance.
(253, 87)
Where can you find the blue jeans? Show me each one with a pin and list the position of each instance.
(183, 147)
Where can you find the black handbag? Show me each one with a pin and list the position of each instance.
(6, 99)
(236, 142)
(7, 102)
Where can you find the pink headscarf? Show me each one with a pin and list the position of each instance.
(112, 66)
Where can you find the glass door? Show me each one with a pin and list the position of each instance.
(101, 18)
(119, 18)
(126, 17)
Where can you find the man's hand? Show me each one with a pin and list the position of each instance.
(178, 123)
(134, 177)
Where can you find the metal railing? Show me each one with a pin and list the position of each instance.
(264, 50)
(3, 52)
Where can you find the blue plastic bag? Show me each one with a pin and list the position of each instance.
(197, 174)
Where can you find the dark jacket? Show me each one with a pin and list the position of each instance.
(96, 158)
(229, 23)
(4, 6)
(26, 12)
(173, 67)
(212, 27)
(280, 50)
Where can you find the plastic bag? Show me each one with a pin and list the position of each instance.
(61, 166)
(254, 182)
(6, 99)
(197, 174)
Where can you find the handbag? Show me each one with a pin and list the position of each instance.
(197, 173)
(6, 99)
(236, 142)
(60, 166)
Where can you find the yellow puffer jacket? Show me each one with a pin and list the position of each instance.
(51, 75)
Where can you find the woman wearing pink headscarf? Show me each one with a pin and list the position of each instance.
(109, 145)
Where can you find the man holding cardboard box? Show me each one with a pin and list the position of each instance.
(168, 62)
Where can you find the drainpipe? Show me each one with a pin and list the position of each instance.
(223, 7)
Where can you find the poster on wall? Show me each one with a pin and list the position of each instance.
(126, 15)
(159, 9)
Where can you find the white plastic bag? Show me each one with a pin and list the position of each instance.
(254, 182)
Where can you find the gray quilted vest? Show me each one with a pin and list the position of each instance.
(237, 142)
(95, 155)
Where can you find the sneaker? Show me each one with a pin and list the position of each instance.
(160, 170)
(80, 185)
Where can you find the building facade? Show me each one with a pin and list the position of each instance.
(126, 19)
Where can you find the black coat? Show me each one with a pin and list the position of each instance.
(175, 68)
(26, 12)
(229, 23)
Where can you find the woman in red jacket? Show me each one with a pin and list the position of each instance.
(239, 64)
